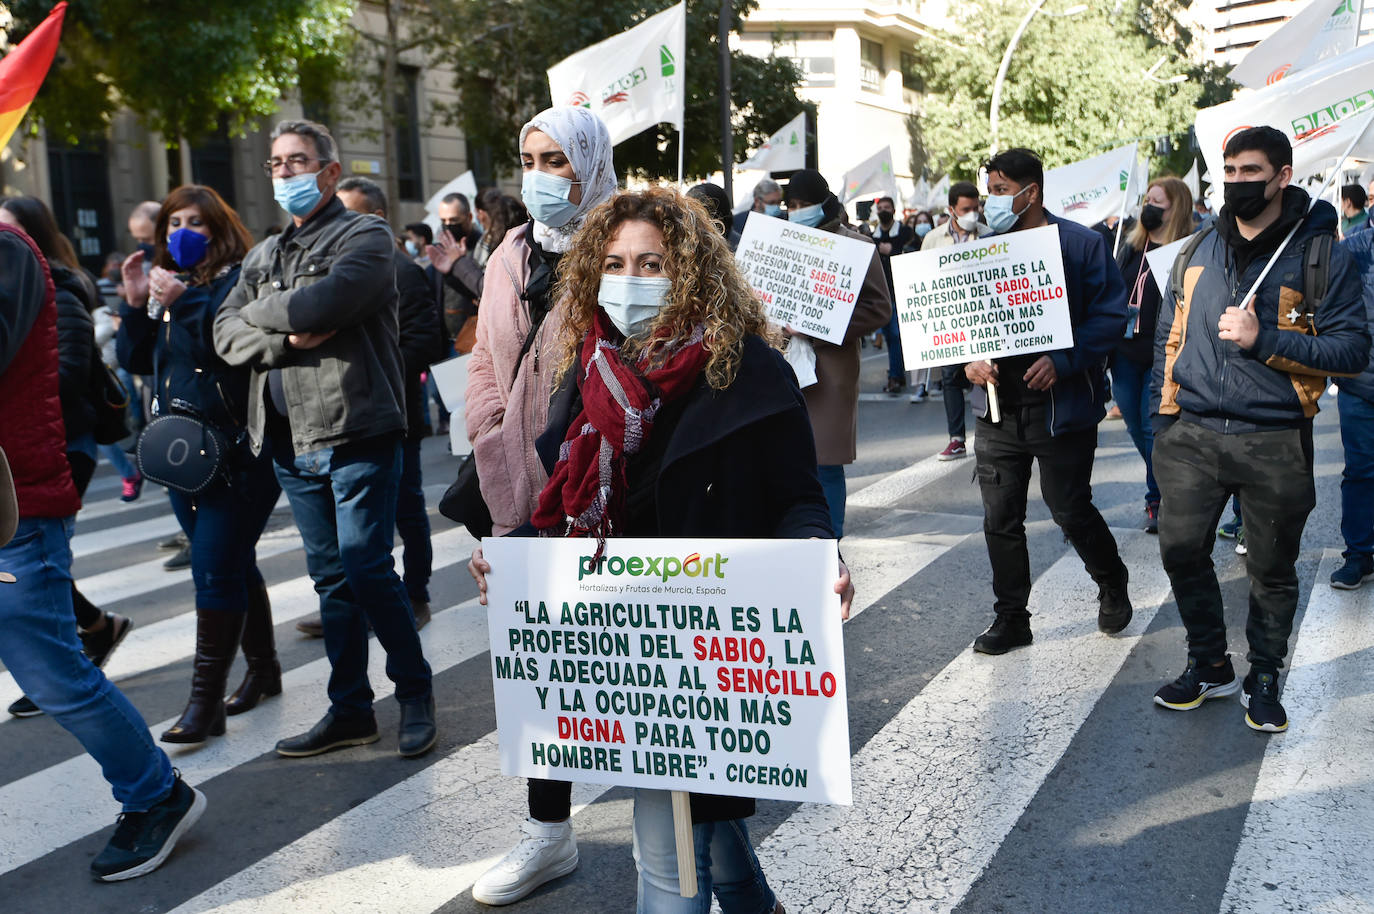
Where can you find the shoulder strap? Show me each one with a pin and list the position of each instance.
(1185, 257)
(1316, 271)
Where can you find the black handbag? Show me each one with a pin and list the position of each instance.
(111, 403)
(463, 502)
(182, 452)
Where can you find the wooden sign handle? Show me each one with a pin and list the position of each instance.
(686, 846)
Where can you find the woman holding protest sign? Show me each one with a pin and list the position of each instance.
(1166, 216)
(568, 171)
(668, 383)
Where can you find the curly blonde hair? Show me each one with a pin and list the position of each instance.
(708, 289)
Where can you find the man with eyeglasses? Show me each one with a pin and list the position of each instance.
(314, 315)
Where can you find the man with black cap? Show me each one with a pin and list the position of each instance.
(833, 400)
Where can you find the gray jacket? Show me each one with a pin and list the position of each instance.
(333, 273)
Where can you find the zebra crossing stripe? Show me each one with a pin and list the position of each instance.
(173, 639)
(31, 828)
(896, 486)
(1314, 798)
(940, 786)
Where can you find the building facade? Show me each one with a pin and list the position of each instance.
(858, 68)
(1230, 28)
(93, 188)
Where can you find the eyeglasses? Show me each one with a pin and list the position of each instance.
(295, 162)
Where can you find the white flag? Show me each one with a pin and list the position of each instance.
(1321, 30)
(872, 175)
(1191, 179)
(919, 195)
(632, 80)
(1319, 109)
(938, 198)
(784, 150)
(1089, 191)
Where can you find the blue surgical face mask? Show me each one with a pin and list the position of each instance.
(412, 248)
(298, 194)
(772, 209)
(808, 215)
(632, 302)
(187, 247)
(922, 229)
(546, 197)
(1000, 213)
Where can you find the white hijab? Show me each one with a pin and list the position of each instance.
(585, 141)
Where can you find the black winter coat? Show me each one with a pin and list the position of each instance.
(421, 340)
(75, 349)
(740, 462)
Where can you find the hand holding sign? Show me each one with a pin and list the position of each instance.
(1239, 325)
(981, 372)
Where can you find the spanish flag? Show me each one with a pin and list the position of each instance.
(23, 69)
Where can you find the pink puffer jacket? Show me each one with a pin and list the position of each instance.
(508, 397)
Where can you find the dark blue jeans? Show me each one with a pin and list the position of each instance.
(833, 485)
(39, 646)
(953, 383)
(892, 334)
(1131, 389)
(344, 500)
(223, 524)
(1357, 479)
(412, 522)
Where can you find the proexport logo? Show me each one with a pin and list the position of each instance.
(966, 254)
(662, 567)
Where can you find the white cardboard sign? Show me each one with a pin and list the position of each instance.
(451, 377)
(997, 296)
(707, 665)
(807, 279)
(1161, 261)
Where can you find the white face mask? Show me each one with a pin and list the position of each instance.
(632, 302)
(968, 221)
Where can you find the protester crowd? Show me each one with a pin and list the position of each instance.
(618, 358)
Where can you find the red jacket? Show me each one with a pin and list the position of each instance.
(31, 429)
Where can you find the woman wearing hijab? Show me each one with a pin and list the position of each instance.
(566, 156)
(668, 382)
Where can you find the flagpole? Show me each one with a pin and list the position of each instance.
(1340, 163)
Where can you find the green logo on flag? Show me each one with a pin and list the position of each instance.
(666, 60)
(793, 140)
(1125, 179)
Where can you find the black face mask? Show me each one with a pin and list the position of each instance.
(455, 229)
(1151, 217)
(1246, 199)
(884, 217)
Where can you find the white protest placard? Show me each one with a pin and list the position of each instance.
(706, 665)
(451, 378)
(807, 279)
(1001, 295)
(1161, 261)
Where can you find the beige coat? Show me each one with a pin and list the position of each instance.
(507, 404)
(833, 401)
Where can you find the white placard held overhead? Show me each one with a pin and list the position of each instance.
(1002, 295)
(807, 279)
(709, 665)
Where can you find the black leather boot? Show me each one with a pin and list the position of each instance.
(217, 640)
(263, 678)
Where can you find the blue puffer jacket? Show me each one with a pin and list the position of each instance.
(180, 352)
(1278, 381)
(1360, 247)
(1097, 312)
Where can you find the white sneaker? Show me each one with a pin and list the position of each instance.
(548, 850)
(919, 394)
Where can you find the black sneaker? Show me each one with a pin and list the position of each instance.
(1199, 682)
(179, 561)
(1356, 570)
(1260, 696)
(1005, 633)
(23, 706)
(1113, 607)
(330, 733)
(175, 541)
(1151, 519)
(98, 646)
(143, 840)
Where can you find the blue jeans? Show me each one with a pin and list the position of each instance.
(119, 460)
(953, 383)
(892, 334)
(832, 484)
(223, 524)
(1357, 479)
(39, 645)
(135, 398)
(726, 863)
(1131, 390)
(344, 501)
(412, 522)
